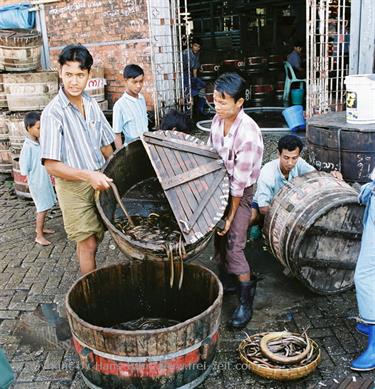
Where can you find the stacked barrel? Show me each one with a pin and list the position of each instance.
(23, 88)
(264, 75)
(95, 87)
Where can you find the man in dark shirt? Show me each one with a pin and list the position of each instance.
(294, 58)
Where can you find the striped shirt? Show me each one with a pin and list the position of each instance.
(68, 137)
(241, 150)
(130, 117)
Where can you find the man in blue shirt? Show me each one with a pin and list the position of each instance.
(275, 174)
(191, 64)
(190, 58)
(294, 58)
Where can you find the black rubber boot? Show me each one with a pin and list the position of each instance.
(244, 312)
(229, 281)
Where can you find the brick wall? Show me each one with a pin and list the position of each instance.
(115, 31)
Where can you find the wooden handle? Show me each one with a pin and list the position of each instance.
(120, 203)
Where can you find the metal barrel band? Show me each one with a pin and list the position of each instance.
(190, 385)
(152, 358)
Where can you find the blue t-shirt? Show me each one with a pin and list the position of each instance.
(39, 181)
(271, 180)
(130, 117)
(295, 60)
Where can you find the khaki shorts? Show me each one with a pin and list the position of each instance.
(77, 203)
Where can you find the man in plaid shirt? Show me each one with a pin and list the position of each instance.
(238, 141)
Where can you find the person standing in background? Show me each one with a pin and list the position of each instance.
(129, 112)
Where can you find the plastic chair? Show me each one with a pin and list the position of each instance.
(290, 78)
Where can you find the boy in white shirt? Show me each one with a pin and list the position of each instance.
(129, 112)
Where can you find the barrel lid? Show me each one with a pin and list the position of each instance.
(193, 177)
(337, 120)
(20, 37)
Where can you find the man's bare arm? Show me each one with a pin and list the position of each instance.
(97, 180)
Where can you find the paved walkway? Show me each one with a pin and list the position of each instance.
(35, 279)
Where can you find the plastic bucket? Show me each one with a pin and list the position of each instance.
(297, 96)
(360, 97)
(294, 117)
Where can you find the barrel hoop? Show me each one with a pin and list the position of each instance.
(152, 358)
(190, 385)
(20, 47)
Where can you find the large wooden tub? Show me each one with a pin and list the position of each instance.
(179, 356)
(314, 229)
(129, 166)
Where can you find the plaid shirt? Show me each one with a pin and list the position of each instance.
(241, 150)
(66, 136)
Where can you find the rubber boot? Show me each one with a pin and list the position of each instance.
(362, 328)
(244, 312)
(229, 281)
(366, 361)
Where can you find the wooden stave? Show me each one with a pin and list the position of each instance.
(5, 156)
(21, 186)
(16, 130)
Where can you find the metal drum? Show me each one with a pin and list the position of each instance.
(208, 71)
(261, 94)
(275, 62)
(233, 65)
(255, 65)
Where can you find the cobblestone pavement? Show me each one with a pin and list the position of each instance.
(35, 279)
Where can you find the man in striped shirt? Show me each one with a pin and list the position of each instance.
(129, 112)
(238, 141)
(75, 143)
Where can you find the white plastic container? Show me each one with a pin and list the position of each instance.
(360, 98)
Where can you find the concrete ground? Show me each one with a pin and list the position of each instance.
(35, 279)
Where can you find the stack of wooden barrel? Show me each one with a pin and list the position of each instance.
(95, 87)
(264, 76)
(23, 88)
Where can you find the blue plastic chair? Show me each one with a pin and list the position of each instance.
(290, 78)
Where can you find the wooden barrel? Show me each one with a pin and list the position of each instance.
(16, 131)
(335, 144)
(3, 126)
(103, 105)
(5, 156)
(20, 50)
(21, 187)
(197, 202)
(179, 356)
(3, 97)
(30, 91)
(96, 84)
(314, 229)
